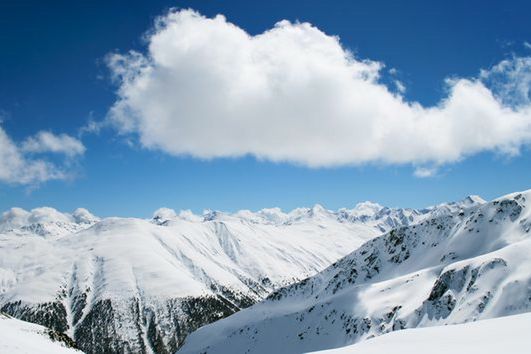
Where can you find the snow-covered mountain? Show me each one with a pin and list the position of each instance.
(45, 222)
(134, 285)
(499, 335)
(450, 268)
(19, 337)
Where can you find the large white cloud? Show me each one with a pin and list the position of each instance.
(208, 89)
(20, 165)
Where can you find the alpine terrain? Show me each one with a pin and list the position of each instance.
(125, 285)
(449, 268)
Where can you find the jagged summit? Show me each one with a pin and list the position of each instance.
(466, 202)
(373, 214)
(18, 219)
(474, 199)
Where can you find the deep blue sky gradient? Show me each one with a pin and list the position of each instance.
(53, 77)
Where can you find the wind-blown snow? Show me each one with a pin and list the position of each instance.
(500, 335)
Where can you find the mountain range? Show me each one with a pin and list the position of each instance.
(304, 280)
(450, 268)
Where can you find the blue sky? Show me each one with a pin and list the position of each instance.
(55, 76)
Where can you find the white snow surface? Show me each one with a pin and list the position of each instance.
(500, 335)
(449, 268)
(169, 258)
(19, 337)
(179, 254)
(48, 257)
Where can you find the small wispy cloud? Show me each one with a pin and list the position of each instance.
(92, 127)
(400, 87)
(425, 172)
(45, 141)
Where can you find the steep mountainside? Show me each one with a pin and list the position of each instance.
(19, 337)
(499, 335)
(133, 285)
(450, 268)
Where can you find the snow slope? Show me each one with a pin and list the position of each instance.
(19, 337)
(449, 268)
(500, 335)
(135, 285)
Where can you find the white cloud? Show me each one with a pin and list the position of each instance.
(208, 89)
(18, 167)
(400, 87)
(425, 172)
(164, 214)
(48, 142)
(92, 126)
(510, 81)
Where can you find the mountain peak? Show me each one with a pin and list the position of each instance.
(83, 216)
(46, 221)
(368, 207)
(473, 200)
(162, 215)
(318, 209)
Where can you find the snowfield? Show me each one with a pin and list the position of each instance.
(450, 268)
(141, 286)
(500, 335)
(19, 337)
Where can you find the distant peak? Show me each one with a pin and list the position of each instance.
(368, 206)
(46, 221)
(164, 214)
(210, 215)
(318, 208)
(83, 216)
(15, 217)
(188, 215)
(473, 200)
